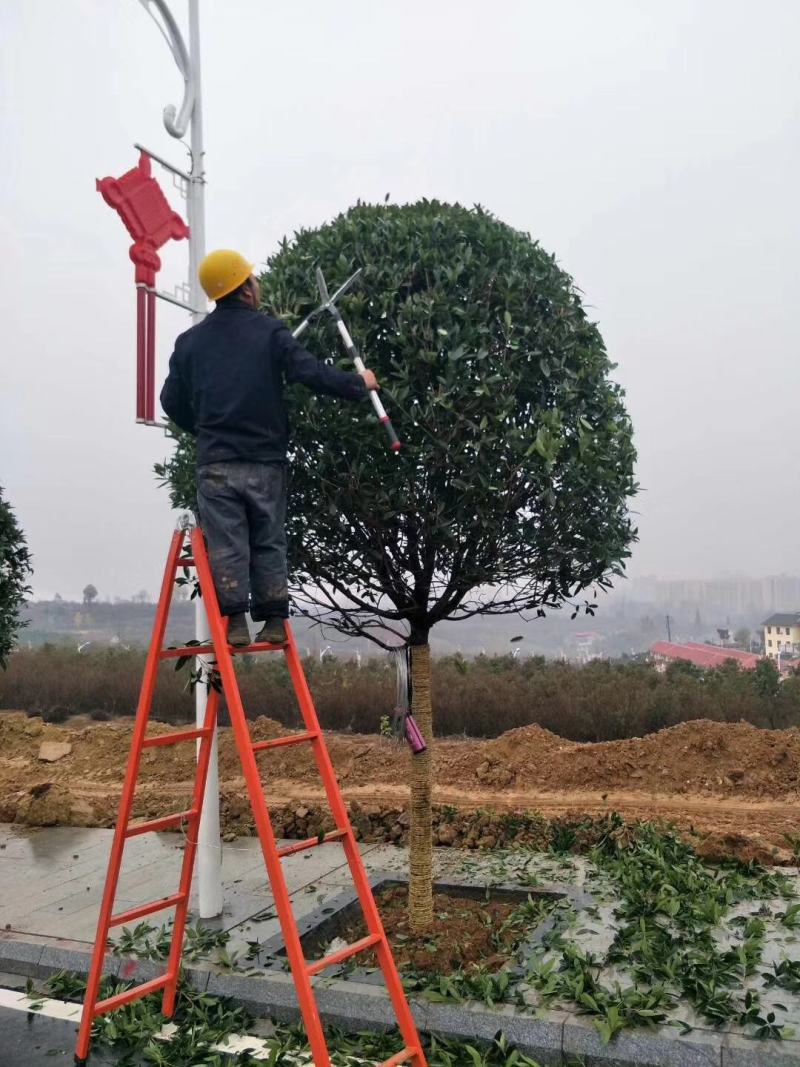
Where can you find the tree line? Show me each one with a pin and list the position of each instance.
(481, 697)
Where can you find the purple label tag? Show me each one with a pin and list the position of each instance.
(414, 737)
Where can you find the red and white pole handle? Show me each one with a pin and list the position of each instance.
(352, 351)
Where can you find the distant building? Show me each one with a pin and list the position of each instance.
(587, 646)
(705, 656)
(721, 597)
(782, 634)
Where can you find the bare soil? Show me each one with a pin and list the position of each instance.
(735, 787)
(465, 933)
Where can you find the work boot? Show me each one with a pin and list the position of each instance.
(273, 632)
(238, 634)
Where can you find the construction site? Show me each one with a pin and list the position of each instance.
(733, 789)
(406, 343)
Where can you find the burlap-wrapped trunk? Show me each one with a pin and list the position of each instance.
(420, 892)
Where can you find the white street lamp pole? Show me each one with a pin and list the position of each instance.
(196, 192)
(209, 852)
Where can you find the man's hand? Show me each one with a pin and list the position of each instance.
(370, 380)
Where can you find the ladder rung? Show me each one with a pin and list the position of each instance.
(400, 1057)
(184, 561)
(261, 646)
(208, 650)
(187, 650)
(172, 739)
(310, 842)
(343, 954)
(290, 739)
(131, 994)
(159, 824)
(146, 909)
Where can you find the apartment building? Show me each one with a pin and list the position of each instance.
(782, 634)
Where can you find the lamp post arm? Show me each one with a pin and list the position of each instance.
(176, 122)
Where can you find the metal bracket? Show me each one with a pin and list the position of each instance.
(167, 166)
(181, 290)
(179, 184)
(176, 300)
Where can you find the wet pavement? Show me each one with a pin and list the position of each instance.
(51, 882)
(31, 1040)
(51, 879)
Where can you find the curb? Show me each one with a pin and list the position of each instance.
(552, 1037)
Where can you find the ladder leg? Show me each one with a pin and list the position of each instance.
(294, 949)
(394, 984)
(126, 799)
(189, 854)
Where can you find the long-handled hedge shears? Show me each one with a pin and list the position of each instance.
(329, 305)
(315, 314)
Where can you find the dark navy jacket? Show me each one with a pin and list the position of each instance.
(226, 378)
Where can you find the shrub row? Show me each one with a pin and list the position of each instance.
(601, 701)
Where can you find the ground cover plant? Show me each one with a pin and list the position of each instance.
(686, 934)
(203, 1022)
(670, 939)
(481, 697)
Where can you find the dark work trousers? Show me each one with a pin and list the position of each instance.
(243, 515)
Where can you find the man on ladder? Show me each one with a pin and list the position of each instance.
(225, 385)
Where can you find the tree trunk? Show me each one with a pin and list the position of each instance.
(420, 890)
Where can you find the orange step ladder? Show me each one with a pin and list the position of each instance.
(183, 554)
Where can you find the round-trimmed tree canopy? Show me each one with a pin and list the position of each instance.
(511, 489)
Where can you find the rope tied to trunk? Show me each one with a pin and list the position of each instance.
(403, 722)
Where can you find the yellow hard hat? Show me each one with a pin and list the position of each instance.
(223, 271)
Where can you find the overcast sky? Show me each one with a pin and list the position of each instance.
(652, 146)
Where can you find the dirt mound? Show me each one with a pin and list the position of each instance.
(728, 759)
(518, 756)
(694, 773)
(748, 848)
